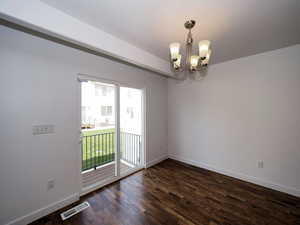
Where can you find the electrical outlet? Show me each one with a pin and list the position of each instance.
(42, 129)
(260, 164)
(50, 184)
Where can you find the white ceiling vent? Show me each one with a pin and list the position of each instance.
(71, 212)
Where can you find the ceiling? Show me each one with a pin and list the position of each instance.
(237, 28)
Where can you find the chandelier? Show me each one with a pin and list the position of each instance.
(192, 63)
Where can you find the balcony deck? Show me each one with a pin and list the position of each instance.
(106, 171)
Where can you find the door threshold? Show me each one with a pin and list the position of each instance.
(100, 184)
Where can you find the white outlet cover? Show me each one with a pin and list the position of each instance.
(51, 184)
(260, 164)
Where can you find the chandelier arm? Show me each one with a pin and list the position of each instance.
(189, 44)
(201, 68)
(176, 71)
(180, 74)
(187, 56)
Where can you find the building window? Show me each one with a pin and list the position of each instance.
(97, 89)
(104, 91)
(129, 93)
(106, 110)
(101, 90)
(130, 112)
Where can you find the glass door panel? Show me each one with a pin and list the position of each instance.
(130, 129)
(98, 123)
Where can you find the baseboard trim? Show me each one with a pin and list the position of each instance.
(156, 161)
(45, 210)
(251, 179)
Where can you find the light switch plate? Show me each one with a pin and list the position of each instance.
(42, 129)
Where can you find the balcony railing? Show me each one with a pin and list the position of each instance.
(99, 149)
(130, 148)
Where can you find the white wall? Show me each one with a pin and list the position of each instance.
(38, 86)
(244, 111)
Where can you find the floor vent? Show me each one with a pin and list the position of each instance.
(71, 212)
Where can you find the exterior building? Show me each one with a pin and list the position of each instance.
(98, 109)
(131, 110)
(97, 105)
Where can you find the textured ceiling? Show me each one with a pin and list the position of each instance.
(237, 28)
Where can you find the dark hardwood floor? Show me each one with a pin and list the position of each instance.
(175, 193)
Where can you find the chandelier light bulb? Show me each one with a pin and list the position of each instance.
(206, 60)
(204, 48)
(174, 51)
(177, 62)
(194, 61)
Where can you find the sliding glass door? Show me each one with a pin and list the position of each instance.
(111, 131)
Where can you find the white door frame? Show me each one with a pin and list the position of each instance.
(118, 85)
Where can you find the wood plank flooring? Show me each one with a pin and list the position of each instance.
(175, 193)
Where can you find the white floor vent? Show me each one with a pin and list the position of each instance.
(71, 212)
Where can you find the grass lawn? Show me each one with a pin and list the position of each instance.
(97, 148)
